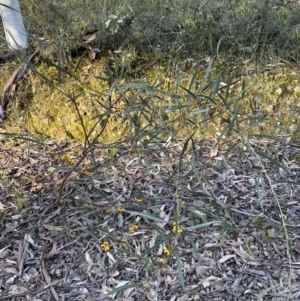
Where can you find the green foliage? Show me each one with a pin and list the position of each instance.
(184, 28)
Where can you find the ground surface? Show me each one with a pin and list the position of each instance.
(202, 226)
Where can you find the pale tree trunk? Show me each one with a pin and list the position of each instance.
(15, 32)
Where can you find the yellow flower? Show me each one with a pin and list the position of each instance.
(161, 261)
(166, 251)
(120, 210)
(133, 228)
(142, 156)
(85, 172)
(218, 110)
(226, 117)
(67, 159)
(176, 229)
(105, 246)
(64, 158)
(88, 206)
(120, 107)
(108, 211)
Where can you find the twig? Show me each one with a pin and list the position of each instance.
(69, 173)
(48, 281)
(78, 162)
(10, 296)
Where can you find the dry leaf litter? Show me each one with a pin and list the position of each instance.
(206, 224)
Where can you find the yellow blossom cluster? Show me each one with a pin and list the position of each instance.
(85, 172)
(114, 210)
(176, 229)
(120, 107)
(161, 261)
(105, 246)
(67, 159)
(166, 251)
(120, 209)
(133, 228)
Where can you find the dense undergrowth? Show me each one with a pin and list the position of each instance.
(180, 28)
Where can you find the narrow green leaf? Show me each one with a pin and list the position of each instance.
(200, 111)
(122, 287)
(192, 242)
(273, 161)
(192, 82)
(135, 255)
(216, 85)
(61, 168)
(193, 163)
(231, 148)
(210, 43)
(208, 69)
(189, 92)
(16, 136)
(219, 45)
(240, 195)
(80, 61)
(91, 234)
(261, 295)
(148, 216)
(178, 107)
(288, 182)
(204, 225)
(179, 270)
(101, 266)
(83, 193)
(185, 146)
(268, 136)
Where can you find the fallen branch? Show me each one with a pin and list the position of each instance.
(10, 86)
